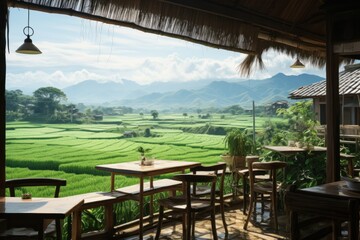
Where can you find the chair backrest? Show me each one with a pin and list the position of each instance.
(300, 202)
(189, 179)
(34, 182)
(271, 167)
(218, 169)
(349, 129)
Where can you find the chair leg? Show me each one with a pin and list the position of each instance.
(41, 234)
(274, 210)
(161, 215)
(213, 225)
(245, 193)
(222, 210)
(58, 229)
(188, 226)
(184, 225)
(251, 209)
(193, 226)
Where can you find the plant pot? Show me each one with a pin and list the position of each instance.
(234, 162)
(227, 159)
(239, 162)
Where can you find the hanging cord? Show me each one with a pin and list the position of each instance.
(7, 29)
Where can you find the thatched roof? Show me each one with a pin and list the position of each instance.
(349, 84)
(246, 26)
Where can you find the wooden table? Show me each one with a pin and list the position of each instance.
(334, 189)
(286, 150)
(34, 211)
(135, 169)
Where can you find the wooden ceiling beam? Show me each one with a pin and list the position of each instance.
(247, 16)
(293, 43)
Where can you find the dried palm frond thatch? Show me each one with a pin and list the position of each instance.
(294, 27)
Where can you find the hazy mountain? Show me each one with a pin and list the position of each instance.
(91, 91)
(207, 93)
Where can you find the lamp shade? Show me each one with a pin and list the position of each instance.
(297, 64)
(28, 47)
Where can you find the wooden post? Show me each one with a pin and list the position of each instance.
(332, 106)
(3, 21)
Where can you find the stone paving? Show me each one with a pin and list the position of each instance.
(235, 220)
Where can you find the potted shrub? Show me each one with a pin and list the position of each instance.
(239, 144)
(142, 152)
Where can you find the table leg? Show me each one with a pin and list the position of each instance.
(109, 220)
(351, 167)
(245, 192)
(112, 182)
(141, 208)
(76, 225)
(41, 234)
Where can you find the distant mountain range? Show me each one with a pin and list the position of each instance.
(197, 94)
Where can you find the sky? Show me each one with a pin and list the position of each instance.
(75, 50)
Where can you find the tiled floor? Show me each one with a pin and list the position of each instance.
(235, 220)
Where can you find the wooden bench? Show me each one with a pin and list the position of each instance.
(99, 199)
(158, 186)
(108, 199)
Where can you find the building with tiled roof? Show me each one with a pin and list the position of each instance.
(349, 90)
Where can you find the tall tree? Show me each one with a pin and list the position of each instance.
(154, 114)
(48, 100)
(13, 100)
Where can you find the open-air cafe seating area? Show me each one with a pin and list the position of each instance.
(199, 202)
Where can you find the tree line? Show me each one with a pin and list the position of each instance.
(49, 104)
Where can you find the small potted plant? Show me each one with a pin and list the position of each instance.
(142, 152)
(239, 144)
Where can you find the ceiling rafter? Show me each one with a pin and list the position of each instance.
(247, 16)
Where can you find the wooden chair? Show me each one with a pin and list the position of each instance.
(314, 216)
(243, 174)
(12, 184)
(204, 191)
(187, 206)
(268, 187)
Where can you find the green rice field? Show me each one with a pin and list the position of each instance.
(71, 151)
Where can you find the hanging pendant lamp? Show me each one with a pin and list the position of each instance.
(297, 64)
(28, 47)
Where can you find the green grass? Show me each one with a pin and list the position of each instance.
(72, 151)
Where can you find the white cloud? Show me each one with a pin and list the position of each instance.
(147, 70)
(75, 50)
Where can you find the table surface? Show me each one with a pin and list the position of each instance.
(52, 208)
(288, 149)
(134, 168)
(336, 189)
